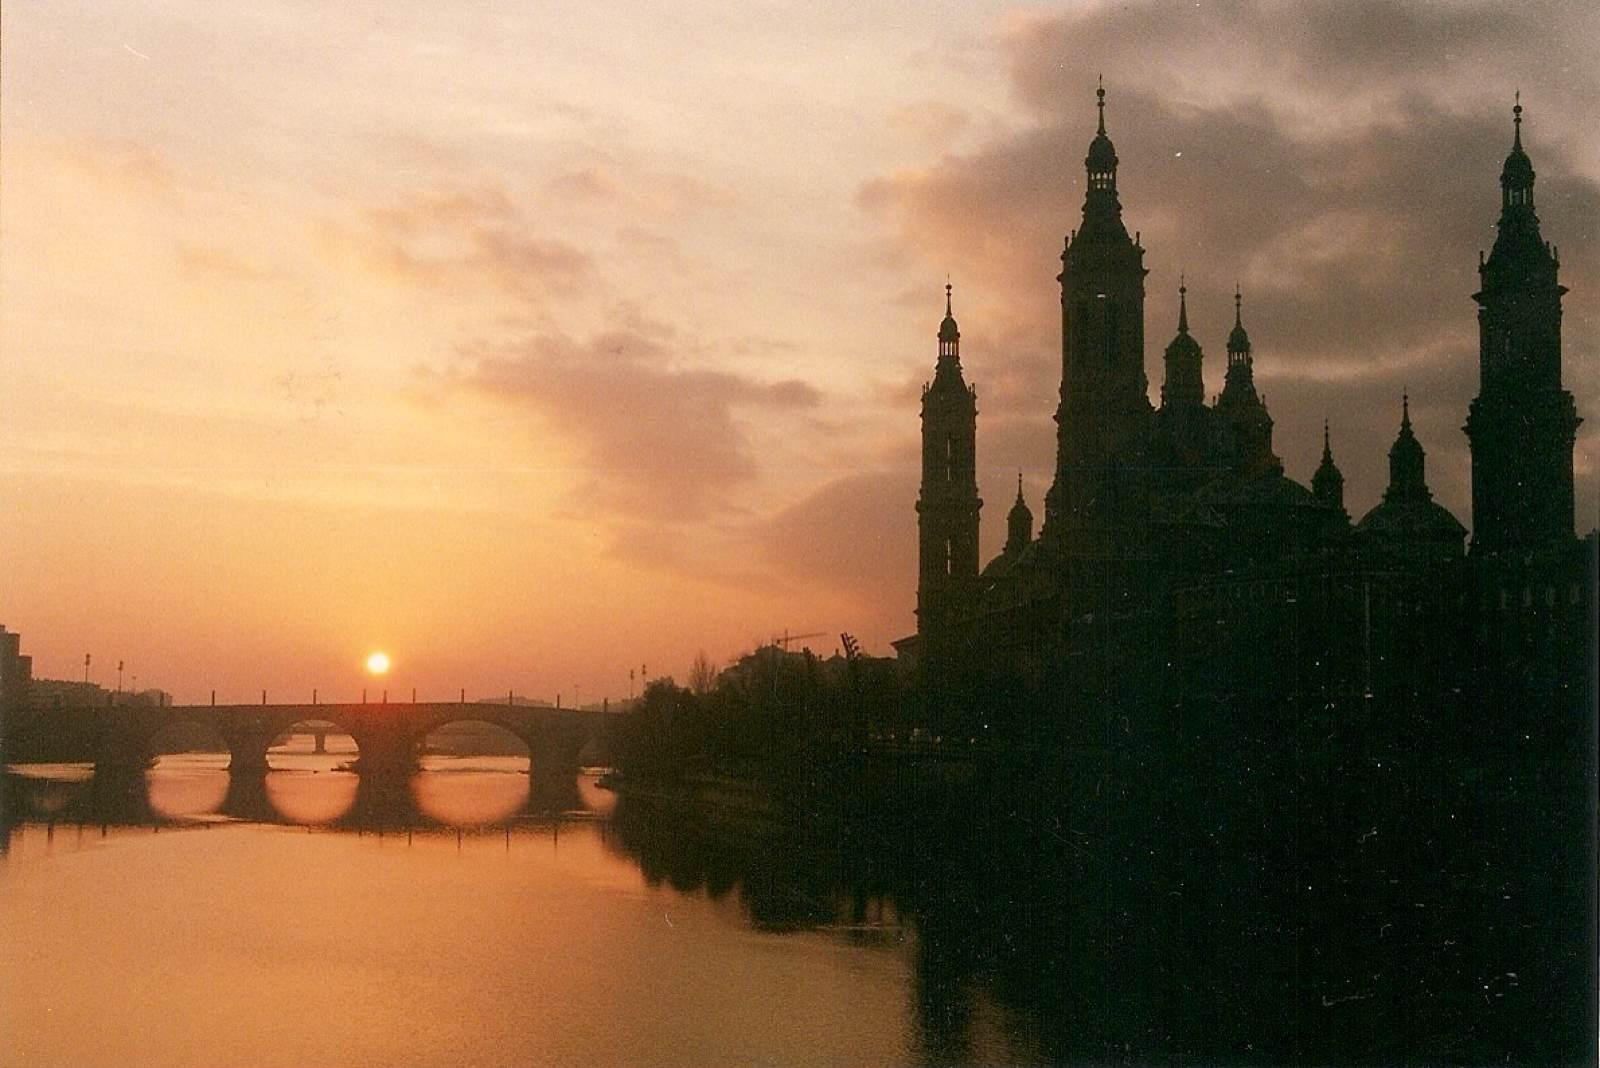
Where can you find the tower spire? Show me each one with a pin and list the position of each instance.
(1523, 423)
(1100, 94)
(1327, 484)
(1019, 523)
(1183, 306)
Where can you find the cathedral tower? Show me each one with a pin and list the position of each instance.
(947, 507)
(1327, 485)
(1103, 386)
(1241, 406)
(1522, 424)
(1183, 386)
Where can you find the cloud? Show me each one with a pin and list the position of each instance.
(660, 439)
(1336, 166)
(456, 242)
(856, 534)
(931, 122)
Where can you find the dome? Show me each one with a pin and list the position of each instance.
(1183, 345)
(948, 331)
(1414, 521)
(1102, 157)
(1238, 340)
(1518, 171)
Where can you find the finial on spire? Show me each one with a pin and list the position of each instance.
(1327, 447)
(1238, 303)
(1019, 485)
(1516, 119)
(1100, 93)
(947, 288)
(1183, 306)
(1405, 409)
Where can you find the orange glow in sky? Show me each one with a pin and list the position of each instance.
(550, 344)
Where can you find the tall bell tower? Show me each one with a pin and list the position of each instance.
(1522, 424)
(948, 505)
(1103, 404)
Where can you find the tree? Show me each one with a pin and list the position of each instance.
(702, 675)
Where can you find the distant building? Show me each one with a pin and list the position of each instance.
(16, 673)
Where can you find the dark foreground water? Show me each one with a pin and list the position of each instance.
(477, 933)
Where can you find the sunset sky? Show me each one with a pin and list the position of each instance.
(534, 342)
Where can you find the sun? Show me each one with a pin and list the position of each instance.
(378, 663)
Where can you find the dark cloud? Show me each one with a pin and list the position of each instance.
(856, 534)
(1315, 154)
(660, 440)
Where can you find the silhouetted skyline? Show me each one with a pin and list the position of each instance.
(529, 372)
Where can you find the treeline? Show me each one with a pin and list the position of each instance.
(773, 716)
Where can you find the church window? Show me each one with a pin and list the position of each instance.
(949, 458)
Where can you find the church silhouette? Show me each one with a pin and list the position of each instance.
(1177, 560)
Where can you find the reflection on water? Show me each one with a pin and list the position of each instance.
(316, 795)
(537, 943)
(954, 926)
(471, 791)
(187, 785)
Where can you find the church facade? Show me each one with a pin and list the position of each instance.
(1177, 560)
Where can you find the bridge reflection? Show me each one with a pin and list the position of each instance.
(200, 791)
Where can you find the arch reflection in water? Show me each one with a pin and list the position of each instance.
(311, 777)
(187, 776)
(471, 773)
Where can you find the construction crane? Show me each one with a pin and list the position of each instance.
(783, 642)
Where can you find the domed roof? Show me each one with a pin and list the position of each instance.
(1413, 521)
(948, 331)
(1020, 512)
(1518, 171)
(1238, 340)
(1182, 343)
(1102, 155)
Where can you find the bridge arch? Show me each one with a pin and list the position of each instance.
(314, 742)
(185, 762)
(472, 770)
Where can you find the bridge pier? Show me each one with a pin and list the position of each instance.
(553, 767)
(118, 793)
(386, 755)
(247, 751)
(247, 798)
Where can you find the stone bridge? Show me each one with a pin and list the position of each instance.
(388, 736)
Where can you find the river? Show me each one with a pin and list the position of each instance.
(470, 932)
